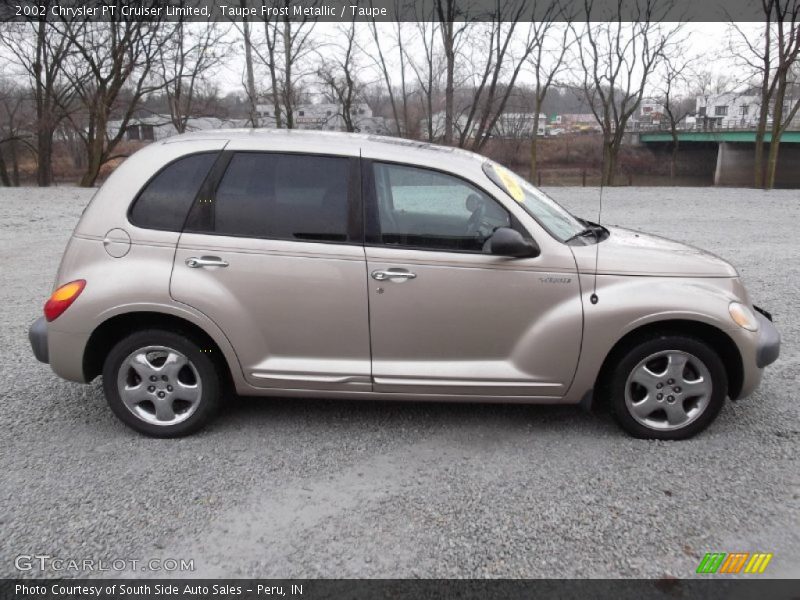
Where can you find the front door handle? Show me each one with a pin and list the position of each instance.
(206, 261)
(391, 274)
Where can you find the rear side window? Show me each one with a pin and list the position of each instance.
(283, 196)
(166, 199)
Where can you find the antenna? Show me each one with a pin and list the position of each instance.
(593, 298)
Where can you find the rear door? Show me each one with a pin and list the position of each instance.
(447, 318)
(273, 255)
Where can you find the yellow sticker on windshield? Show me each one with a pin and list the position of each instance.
(510, 183)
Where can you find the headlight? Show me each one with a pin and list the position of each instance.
(743, 316)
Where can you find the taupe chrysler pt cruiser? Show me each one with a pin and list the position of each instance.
(304, 264)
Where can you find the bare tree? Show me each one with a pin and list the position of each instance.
(491, 94)
(42, 51)
(758, 57)
(787, 42)
(184, 63)
(547, 61)
(379, 57)
(674, 95)
(15, 121)
(616, 59)
(452, 24)
(271, 36)
(340, 75)
(289, 46)
(772, 56)
(111, 73)
(427, 70)
(250, 82)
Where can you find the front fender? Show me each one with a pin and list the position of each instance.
(627, 303)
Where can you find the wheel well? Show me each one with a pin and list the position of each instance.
(114, 329)
(717, 339)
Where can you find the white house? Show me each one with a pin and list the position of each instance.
(727, 111)
(508, 125)
(516, 125)
(325, 116)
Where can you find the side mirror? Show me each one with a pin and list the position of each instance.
(509, 242)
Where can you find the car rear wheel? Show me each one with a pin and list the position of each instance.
(161, 383)
(668, 388)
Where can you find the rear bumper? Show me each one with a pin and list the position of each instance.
(37, 335)
(769, 342)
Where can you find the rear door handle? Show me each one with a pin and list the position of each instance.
(206, 261)
(390, 274)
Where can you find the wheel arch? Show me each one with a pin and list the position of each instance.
(113, 329)
(717, 339)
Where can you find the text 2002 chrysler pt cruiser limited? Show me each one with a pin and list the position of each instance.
(332, 265)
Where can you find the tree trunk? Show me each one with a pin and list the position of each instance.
(758, 168)
(534, 139)
(94, 155)
(4, 179)
(288, 87)
(89, 177)
(44, 133)
(673, 166)
(251, 81)
(775, 140)
(44, 154)
(447, 33)
(14, 163)
(609, 162)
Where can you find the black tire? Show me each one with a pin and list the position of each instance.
(201, 368)
(680, 345)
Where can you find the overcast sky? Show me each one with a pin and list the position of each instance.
(705, 40)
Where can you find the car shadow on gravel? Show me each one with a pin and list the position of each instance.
(240, 412)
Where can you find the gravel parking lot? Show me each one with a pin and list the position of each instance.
(302, 488)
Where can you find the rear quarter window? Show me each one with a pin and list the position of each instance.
(166, 199)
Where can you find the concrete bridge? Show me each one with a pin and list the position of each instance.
(736, 153)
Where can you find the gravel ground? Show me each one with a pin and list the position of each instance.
(297, 488)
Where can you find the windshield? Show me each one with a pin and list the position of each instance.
(550, 215)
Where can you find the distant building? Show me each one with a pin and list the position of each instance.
(508, 125)
(651, 112)
(727, 111)
(576, 122)
(158, 127)
(516, 125)
(326, 117)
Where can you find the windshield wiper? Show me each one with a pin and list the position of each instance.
(583, 233)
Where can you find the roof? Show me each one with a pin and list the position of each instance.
(334, 142)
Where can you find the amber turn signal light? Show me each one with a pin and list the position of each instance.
(62, 298)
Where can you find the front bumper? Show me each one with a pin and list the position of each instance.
(37, 334)
(769, 341)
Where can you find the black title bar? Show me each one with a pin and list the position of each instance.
(402, 589)
(379, 10)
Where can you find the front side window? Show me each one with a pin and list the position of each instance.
(283, 196)
(550, 215)
(425, 209)
(720, 111)
(166, 199)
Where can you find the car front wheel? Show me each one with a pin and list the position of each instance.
(670, 387)
(161, 383)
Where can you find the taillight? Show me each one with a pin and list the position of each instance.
(62, 298)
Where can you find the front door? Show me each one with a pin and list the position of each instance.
(446, 318)
(272, 257)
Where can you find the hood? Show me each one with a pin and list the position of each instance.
(627, 252)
